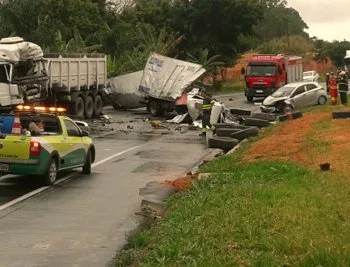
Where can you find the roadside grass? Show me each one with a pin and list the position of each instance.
(231, 86)
(262, 214)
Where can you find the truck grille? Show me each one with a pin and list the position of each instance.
(259, 86)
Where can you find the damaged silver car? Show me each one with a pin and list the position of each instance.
(294, 96)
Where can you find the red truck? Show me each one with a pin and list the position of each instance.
(266, 73)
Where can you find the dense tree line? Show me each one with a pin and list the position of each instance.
(127, 31)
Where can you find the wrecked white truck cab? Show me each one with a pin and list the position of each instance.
(165, 80)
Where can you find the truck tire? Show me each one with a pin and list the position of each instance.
(229, 126)
(89, 107)
(225, 132)
(224, 143)
(50, 176)
(78, 107)
(256, 122)
(155, 108)
(243, 134)
(340, 115)
(98, 105)
(242, 112)
(264, 116)
(295, 115)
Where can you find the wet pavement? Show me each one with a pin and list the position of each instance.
(84, 221)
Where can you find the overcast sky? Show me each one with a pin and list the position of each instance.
(327, 19)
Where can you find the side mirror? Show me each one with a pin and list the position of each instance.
(243, 71)
(84, 133)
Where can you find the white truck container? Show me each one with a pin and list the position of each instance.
(76, 81)
(294, 69)
(164, 80)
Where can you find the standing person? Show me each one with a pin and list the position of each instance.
(206, 108)
(342, 81)
(327, 81)
(333, 88)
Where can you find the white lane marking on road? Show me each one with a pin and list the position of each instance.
(63, 179)
(114, 156)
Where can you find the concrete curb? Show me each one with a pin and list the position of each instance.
(233, 150)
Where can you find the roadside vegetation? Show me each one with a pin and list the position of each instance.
(266, 205)
(212, 33)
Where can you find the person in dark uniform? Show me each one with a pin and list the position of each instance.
(206, 108)
(342, 81)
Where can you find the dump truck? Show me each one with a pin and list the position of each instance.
(267, 72)
(165, 80)
(75, 81)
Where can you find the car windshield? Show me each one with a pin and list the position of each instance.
(48, 125)
(261, 70)
(283, 91)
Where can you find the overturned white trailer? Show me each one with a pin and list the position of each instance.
(165, 80)
(125, 92)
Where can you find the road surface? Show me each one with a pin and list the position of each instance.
(83, 220)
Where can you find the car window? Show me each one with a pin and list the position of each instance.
(72, 129)
(299, 90)
(50, 125)
(310, 87)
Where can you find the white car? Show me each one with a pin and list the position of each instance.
(295, 95)
(311, 76)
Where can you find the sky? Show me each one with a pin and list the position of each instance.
(327, 19)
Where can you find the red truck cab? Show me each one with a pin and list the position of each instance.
(266, 73)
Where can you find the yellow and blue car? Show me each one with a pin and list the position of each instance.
(42, 141)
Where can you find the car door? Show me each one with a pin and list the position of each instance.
(298, 97)
(311, 96)
(77, 151)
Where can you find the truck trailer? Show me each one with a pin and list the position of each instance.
(165, 80)
(266, 73)
(75, 81)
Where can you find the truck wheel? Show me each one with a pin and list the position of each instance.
(87, 165)
(49, 178)
(89, 107)
(78, 107)
(98, 105)
(250, 98)
(155, 109)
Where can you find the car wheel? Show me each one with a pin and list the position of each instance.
(286, 109)
(250, 98)
(87, 165)
(322, 100)
(50, 176)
